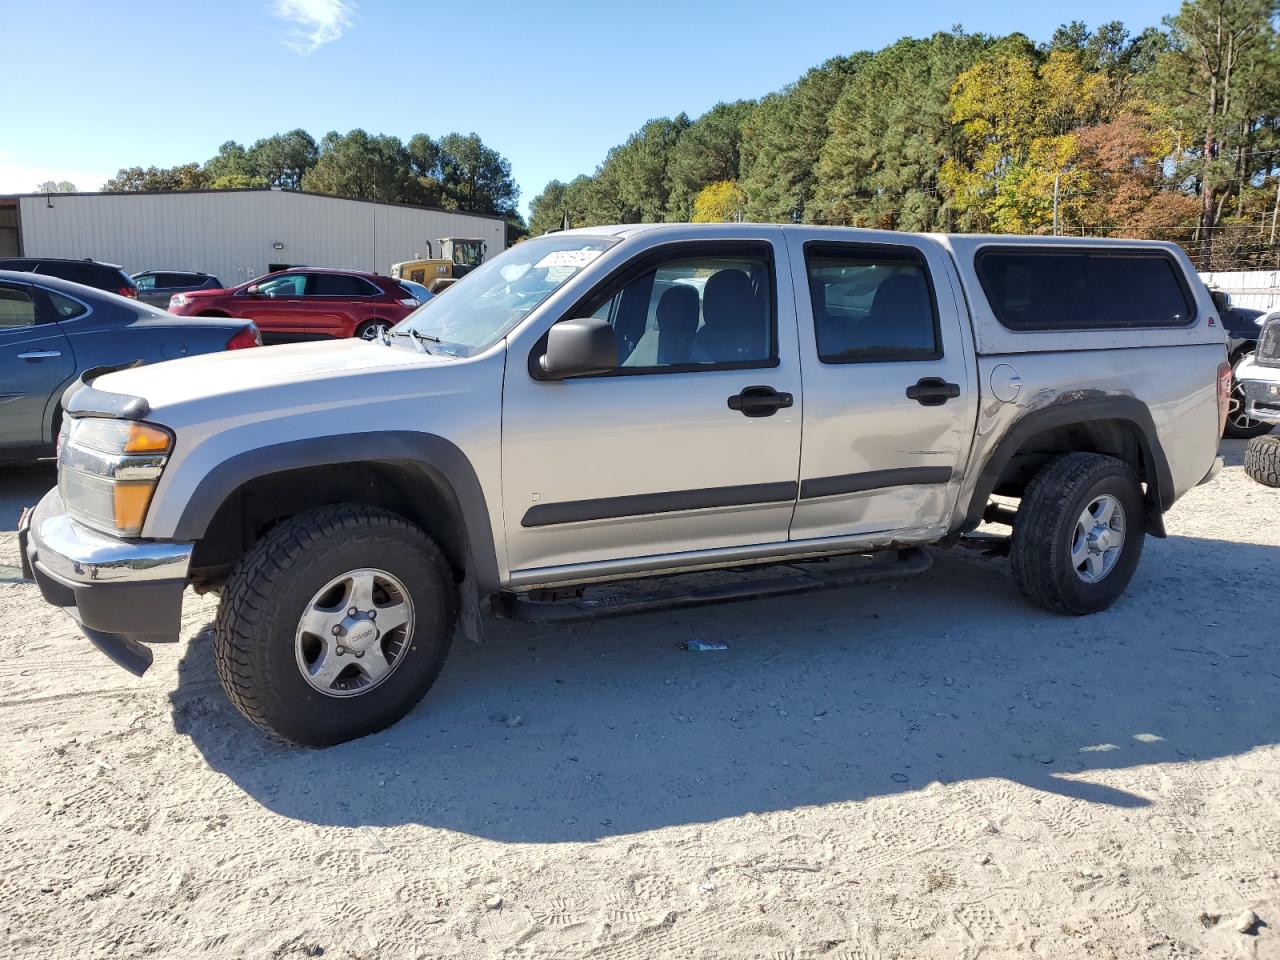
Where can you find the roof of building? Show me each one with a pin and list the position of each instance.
(304, 193)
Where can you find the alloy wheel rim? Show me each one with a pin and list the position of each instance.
(1236, 415)
(376, 331)
(354, 632)
(1098, 539)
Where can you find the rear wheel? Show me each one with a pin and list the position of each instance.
(335, 625)
(372, 330)
(1078, 534)
(1262, 460)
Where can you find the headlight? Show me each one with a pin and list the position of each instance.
(179, 300)
(108, 470)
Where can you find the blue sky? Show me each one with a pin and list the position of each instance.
(94, 86)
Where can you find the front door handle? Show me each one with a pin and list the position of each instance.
(760, 401)
(932, 391)
(39, 354)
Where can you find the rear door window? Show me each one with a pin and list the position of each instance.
(871, 303)
(168, 281)
(340, 285)
(1042, 290)
(17, 308)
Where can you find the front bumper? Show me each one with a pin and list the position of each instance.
(1262, 398)
(123, 593)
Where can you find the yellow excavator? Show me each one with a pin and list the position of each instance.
(458, 257)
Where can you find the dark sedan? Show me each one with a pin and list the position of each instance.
(158, 287)
(51, 331)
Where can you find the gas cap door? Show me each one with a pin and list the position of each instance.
(1005, 383)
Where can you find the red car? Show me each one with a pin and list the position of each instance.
(306, 304)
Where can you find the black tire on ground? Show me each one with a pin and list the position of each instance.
(1045, 529)
(275, 582)
(1262, 460)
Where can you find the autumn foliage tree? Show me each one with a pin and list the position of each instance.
(1170, 132)
(719, 202)
(1019, 119)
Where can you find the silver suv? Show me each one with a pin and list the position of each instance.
(618, 403)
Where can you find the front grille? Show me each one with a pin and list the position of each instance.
(1268, 353)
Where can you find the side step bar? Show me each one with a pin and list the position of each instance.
(675, 591)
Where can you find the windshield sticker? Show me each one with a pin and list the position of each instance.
(573, 259)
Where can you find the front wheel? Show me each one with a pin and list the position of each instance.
(335, 625)
(1078, 534)
(1240, 426)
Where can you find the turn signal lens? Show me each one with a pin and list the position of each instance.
(144, 438)
(131, 502)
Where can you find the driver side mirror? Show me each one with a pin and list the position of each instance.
(253, 291)
(580, 347)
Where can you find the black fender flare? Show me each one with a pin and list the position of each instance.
(1128, 410)
(441, 460)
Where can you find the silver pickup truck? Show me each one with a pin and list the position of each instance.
(632, 403)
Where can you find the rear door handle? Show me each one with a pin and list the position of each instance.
(39, 354)
(932, 391)
(760, 401)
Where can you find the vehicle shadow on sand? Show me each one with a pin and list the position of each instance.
(575, 733)
(22, 485)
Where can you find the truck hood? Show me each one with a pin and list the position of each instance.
(259, 368)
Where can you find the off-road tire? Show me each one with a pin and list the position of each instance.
(1045, 526)
(1262, 460)
(273, 583)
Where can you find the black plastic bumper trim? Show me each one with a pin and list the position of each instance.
(122, 651)
(24, 534)
(118, 618)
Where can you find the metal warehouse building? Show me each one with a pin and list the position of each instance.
(234, 234)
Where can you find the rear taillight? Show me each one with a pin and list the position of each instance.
(247, 336)
(1224, 396)
(131, 292)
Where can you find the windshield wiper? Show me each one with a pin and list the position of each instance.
(420, 340)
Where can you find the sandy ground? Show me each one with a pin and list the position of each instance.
(927, 769)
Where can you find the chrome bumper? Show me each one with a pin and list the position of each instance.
(1260, 385)
(1261, 400)
(123, 593)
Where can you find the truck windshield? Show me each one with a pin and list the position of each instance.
(483, 306)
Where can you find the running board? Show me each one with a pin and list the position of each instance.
(675, 591)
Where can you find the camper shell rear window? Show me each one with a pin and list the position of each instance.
(1055, 289)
